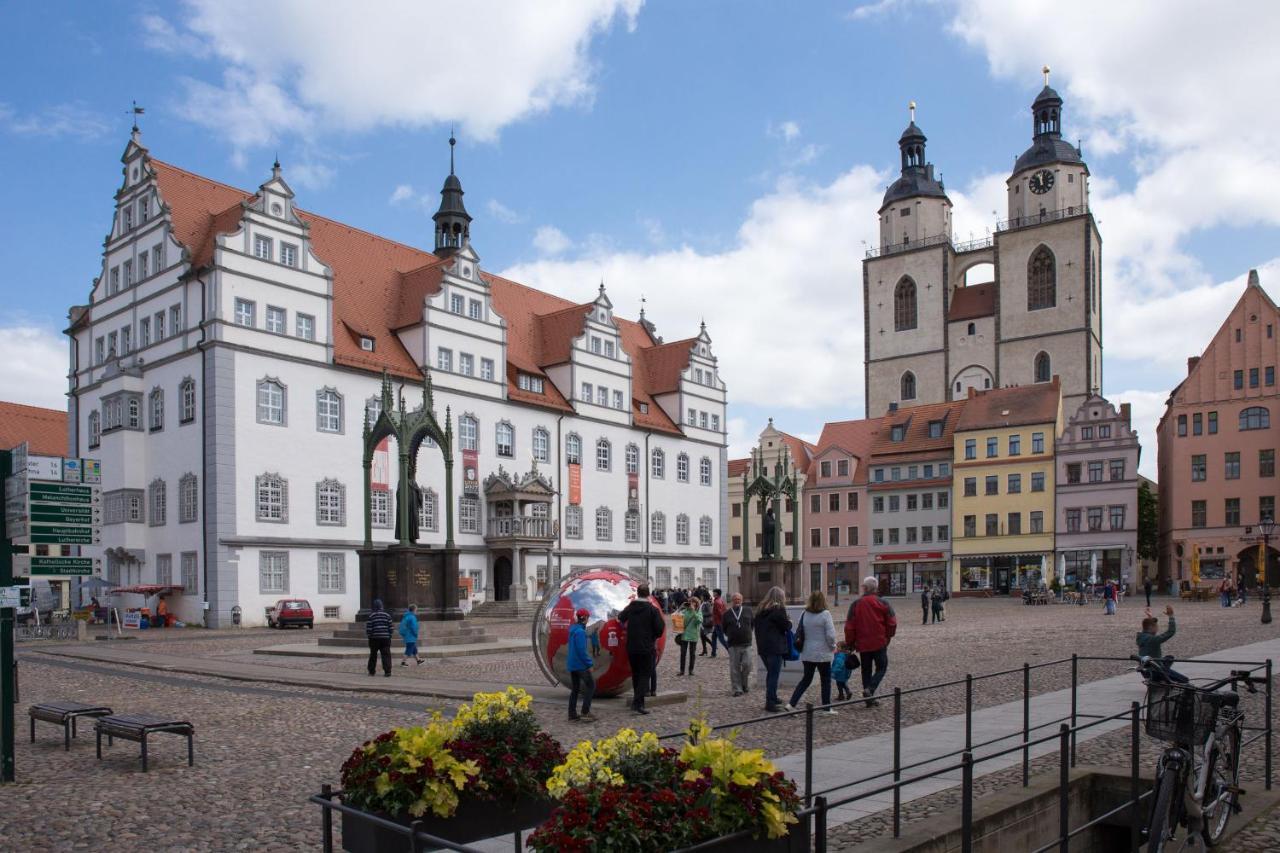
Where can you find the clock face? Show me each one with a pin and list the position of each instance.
(1041, 181)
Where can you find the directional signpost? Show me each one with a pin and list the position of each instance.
(49, 502)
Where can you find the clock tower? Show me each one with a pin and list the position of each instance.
(1050, 175)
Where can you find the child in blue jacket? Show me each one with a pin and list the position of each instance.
(580, 663)
(841, 668)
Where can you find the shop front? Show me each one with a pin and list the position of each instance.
(1092, 566)
(912, 570)
(892, 577)
(1001, 573)
(928, 574)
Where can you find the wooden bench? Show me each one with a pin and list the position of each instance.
(136, 727)
(64, 714)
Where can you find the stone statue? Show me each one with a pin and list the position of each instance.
(768, 545)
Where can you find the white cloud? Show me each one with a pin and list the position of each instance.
(787, 131)
(160, 35)
(57, 121)
(550, 240)
(35, 365)
(311, 174)
(402, 193)
(741, 436)
(1147, 407)
(502, 213)
(484, 63)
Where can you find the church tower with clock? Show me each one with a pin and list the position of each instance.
(934, 328)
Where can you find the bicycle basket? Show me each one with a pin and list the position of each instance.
(1180, 715)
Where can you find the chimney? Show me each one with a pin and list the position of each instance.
(973, 392)
(1125, 411)
(893, 407)
(1191, 363)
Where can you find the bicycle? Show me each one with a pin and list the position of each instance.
(1198, 773)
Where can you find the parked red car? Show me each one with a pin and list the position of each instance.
(291, 611)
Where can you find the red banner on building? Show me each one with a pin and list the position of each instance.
(470, 473)
(575, 484)
(633, 491)
(380, 469)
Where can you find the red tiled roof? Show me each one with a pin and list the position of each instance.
(44, 430)
(1017, 406)
(969, 303)
(917, 419)
(379, 286)
(855, 437)
(738, 467)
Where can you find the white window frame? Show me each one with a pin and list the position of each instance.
(486, 369)
(304, 326)
(504, 439)
(331, 573)
(633, 459)
(541, 445)
(573, 522)
(246, 312)
(682, 468)
(157, 504)
(273, 572)
(604, 455)
(271, 498)
(187, 401)
(466, 364)
(469, 433)
(475, 309)
(573, 449)
(288, 254)
(658, 464)
(155, 409)
(631, 526)
(468, 515)
(428, 517)
(380, 509)
(682, 529)
(657, 529)
(269, 411)
(277, 319)
(190, 563)
(704, 531)
(188, 498)
(444, 359)
(329, 410)
(457, 304)
(262, 247)
(704, 471)
(617, 400)
(331, 503)
(604, 524)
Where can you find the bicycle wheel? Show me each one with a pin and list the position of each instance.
(1162, 820)
(1219, 794)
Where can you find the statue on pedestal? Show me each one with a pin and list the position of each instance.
(767, 549)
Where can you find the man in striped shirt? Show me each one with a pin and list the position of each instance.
(378, 629)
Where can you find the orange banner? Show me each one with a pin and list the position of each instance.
(575, 484)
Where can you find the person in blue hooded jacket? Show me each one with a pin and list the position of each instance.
(580, 664)
(409, 633)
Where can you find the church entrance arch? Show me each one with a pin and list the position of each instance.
(973, 376)
(1247, 561)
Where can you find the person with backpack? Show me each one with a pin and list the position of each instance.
(816, 641)
(704, 629)
(690, 630)
(644, 625)
(772, 625)
(868, 628)
(377, 629)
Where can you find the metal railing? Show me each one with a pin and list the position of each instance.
(907, 245)
(819, 803)
(1039, 218)
(973, 245)
(520, 527)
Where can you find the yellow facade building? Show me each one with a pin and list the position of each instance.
(1003, 488)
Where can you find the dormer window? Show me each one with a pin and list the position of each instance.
(366, 343)
(262, 247)
(457, 303)
(644, 408)
(475, 309)
(597, 345)
(529, 383)
(935, 429)
(609, 349)
(898, 433)
(288, 254)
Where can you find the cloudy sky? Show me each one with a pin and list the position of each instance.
(722, 160)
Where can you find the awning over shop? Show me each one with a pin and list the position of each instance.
(149, 589)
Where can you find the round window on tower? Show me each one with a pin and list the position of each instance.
(277, 209)
(466, 270)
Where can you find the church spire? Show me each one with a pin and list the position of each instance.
(1046, 110)
(453, 223)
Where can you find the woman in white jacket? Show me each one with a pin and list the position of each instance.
(818, 633)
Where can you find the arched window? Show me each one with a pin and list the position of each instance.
(904, 305)
(604, 524)
(1042, 280)
(704, 471)
(328, 410)
(908, 386)
(468, 433)
(95, 429)
(159, 503)
(1044, 369)
(187, 403)
(505, 439)
(633, 459)
(682, 468)
(573, 449)
(541, 445)
(1255, 417)
(604, 455)
(973, 328)
(156, 407)
(657, 463)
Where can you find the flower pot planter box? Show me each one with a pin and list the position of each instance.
(795, 841)
(474, 819)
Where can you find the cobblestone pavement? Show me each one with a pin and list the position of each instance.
(262, 749)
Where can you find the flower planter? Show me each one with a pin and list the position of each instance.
(474, 819)
(795, 841)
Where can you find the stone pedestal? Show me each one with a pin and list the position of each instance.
(756, 577)
(412, 574)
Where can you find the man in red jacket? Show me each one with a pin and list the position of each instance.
(868, 629)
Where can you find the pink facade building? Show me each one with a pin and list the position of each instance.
(835, 501)
(1217, 451)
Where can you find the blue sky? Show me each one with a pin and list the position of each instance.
(724, 159)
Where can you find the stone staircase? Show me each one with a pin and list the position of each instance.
(434, 634)
(504, 610)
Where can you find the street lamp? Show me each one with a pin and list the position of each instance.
(1266, 527)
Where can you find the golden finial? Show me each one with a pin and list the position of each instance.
(1046, 74)
(912, 107)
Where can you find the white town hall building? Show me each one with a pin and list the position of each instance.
(232, 342)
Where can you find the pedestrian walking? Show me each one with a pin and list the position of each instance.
(643, 624)
(816, 639)
(937, 600)
(377, 629)
(925, 603)
(1109, 599)
(868, 628)
(691, 630)
(704, 628)
(1146, 587)
(717, 622)
(1224, 593)
(580, 664)
(737, 633)
(409, 630)
(842, 666)
(771, 627)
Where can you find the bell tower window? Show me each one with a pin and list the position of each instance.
(1044, 369)
(908, 386)
(904, 305)
(1041, 280)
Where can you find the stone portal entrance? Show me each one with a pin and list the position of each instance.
(502, 579)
